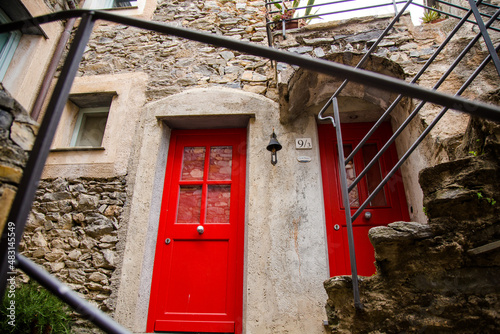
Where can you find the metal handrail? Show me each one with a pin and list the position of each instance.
(333, 100)
(32, 172)
(270, 12)
(420, 105)
(414, 80)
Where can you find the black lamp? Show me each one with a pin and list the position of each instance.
(274, 146)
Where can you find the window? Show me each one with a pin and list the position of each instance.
(109, 4)
(8, 45)
(89, 128)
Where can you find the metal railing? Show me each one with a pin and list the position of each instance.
(275, 17)
(345, 188)
(9, 256)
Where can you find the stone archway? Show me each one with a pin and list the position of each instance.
(306, 92)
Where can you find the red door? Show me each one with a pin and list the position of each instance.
(197, 281)
(388, 206)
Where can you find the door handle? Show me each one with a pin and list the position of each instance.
(368, 215)
(200, 229)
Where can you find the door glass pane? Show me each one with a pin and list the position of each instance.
(220, 163)
(193, 162)
(374, 175)
(189, 207)
(218, 204)
(351, 176)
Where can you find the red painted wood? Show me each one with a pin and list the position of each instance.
(384, 211)
(197, 283)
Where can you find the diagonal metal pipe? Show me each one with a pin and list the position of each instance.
(420, 106)
(414, 80)
(421, 137)
(27, 187)
(313, 64)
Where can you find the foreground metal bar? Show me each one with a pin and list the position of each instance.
(485, 34)
(27, 187)
(414, 80)
(318, 65)
(69, 297)
(421, 105)
(347, 206)
(420, 138)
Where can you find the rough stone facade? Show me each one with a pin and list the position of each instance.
(73, 233)
(174, 64)
(78, 226)
(17, 133)
(440, 277)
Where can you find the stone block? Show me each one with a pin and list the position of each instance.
(10, 174)
(55, 255)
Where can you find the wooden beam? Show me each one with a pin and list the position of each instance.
(486, 248)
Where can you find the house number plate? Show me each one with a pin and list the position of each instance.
(303, 144)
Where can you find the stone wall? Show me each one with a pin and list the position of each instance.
(174, 64)
(17, 133)
(441, 277)
(73, 232)
(408, 47)
(77, 243)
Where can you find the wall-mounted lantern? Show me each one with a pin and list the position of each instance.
(274, 146)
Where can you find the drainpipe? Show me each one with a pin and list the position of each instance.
(51, 70)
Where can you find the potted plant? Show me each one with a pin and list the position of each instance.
(287, 14)
(432, 16)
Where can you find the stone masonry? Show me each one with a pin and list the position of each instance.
(17, 134)
(441, 277)
(75, 227)
(72, 232)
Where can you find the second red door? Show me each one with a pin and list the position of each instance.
(388, 206)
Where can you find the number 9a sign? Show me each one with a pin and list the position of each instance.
(303, 144)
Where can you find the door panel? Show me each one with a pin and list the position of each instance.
(204, 266)
(388, 206)
(198, 273)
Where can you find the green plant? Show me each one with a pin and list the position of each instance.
(289, 13)
(37, 311)
(430, 15)
(490, 200)
(286, 13)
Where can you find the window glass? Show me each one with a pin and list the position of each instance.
(189, 206)
(193, 163)
(351, 176)
(8, 45)
(218, 204)
(374, 175)
(221, 158)
(90, 126)
(109, 4)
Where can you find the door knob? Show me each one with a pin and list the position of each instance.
(200, 229)
(368, 215)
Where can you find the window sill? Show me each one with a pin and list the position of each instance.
(80, 148)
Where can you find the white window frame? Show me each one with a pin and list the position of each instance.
(81, 115)
(7, 52)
